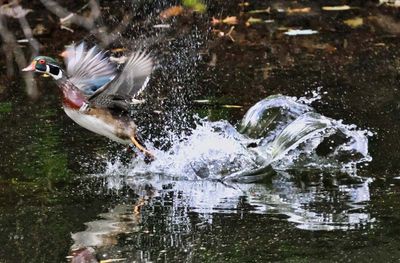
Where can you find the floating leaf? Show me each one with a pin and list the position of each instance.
(171, 12)
(354, 22)
(299, 32)
(229, 20)
(259, 11)
(293, 11)
(253, 20)
(336, 8)
(227, 106)
(244, 4)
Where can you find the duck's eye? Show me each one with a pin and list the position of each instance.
(42, 61)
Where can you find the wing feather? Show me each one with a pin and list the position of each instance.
(131, 82)
(134, 76)
(88, 69)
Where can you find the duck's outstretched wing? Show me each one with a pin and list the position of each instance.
(123, 88)
(88, 69)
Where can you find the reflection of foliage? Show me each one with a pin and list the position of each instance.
(5, 107)
(214, 114)
(196, 5)
(46, 163)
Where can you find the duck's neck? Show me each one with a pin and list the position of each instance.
(72, 97)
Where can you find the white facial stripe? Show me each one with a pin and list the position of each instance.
(58, 76)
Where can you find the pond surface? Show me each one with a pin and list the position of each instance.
(67, 194)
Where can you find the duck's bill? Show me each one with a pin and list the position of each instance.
(31, 67)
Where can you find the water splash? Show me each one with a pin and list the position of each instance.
(277, 136)
(277, 133)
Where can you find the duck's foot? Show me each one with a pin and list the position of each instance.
(149, 157)
(137, 208)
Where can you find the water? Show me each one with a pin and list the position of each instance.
(310, 175)
(277, 133)
(203, 172)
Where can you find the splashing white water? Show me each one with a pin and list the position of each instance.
(212, 150)
(284, 134)
(276, 135)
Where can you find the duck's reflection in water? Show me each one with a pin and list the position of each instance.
(104, 231)
(168, 210)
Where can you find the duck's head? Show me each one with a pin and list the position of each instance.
(45, 65)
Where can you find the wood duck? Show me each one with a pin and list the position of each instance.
(94, 96)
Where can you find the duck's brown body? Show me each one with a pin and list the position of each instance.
(117, 127)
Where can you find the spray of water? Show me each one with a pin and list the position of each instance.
(277, 133)
(277, 136)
